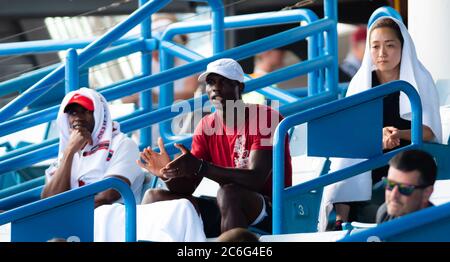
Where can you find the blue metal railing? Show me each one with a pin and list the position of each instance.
(24, 81)
(429, 224)
(47, 150)
(72, 73)
(147, 82)
(37, 119)
(278, 153)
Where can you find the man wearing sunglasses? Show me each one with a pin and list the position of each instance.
(409, 184)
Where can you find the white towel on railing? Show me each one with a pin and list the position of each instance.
(165, 221)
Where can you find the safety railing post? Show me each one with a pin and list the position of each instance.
(72, 73)
(218, 25)
(331, 73)
(146, 65)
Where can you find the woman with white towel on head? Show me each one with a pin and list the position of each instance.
(390, 55)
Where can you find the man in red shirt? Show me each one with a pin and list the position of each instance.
(233, 147)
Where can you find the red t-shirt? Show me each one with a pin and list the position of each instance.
(228, 146)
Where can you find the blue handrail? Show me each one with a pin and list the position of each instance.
(147, 118)
(87, 54)
(144, 83)
(147, 82)
(37, 120)
(247, 50)
(72, 73)
(410, 223)
(79, 193)
(280, 133)
(24, 81)
(48, 46)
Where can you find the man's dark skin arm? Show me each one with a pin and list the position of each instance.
(253, 178)
(109, 196)
(60, 181)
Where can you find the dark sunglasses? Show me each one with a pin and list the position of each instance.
(404, 189)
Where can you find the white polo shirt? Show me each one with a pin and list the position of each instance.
(120, 161)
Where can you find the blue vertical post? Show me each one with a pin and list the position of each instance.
(218, 25)
(71, 82)
(278, 181)
(84, 77)
(313, 51)
(330, 11)
(166, 92)
(146, 64)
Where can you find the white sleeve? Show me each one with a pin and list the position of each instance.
(123, 161)
(51, 169)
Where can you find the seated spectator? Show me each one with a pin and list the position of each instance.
(409, 184)
(91, 148)
(390, 55)
(237, 235)
(233, 147)
(353, 60)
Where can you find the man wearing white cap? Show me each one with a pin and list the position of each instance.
(91, 148)
(233, 147)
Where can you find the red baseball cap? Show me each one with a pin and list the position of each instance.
(82, 100)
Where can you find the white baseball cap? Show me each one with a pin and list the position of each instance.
(225, 67)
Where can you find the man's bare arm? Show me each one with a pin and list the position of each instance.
(109, 196)
(187, 165)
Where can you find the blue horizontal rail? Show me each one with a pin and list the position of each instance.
(21, 198)
(415, 224)
(44, 85)
(283, 96)
(24, 81)
(47, 46)
(148, 82)
(250, 21)
(280, 133)
(21, 158)
(241, 52)
(241, 21)
(73, 195)
(39, 181)
(322, 25)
